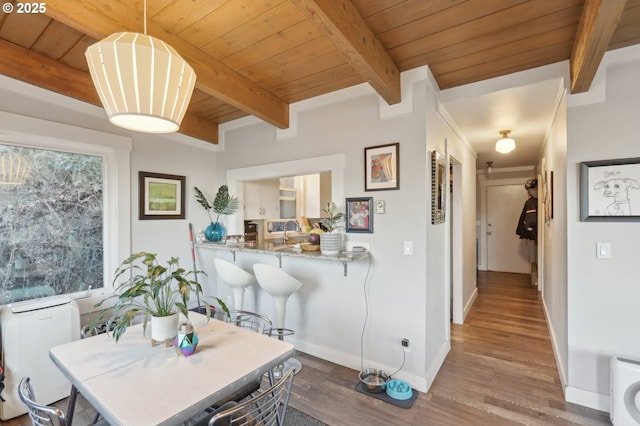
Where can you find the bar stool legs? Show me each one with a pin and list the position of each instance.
(280, 286)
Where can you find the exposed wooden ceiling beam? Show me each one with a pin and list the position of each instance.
(597, 25)
(39, 70)
(341, 23)
(99, 19)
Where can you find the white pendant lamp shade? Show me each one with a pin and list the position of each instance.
(14, 169)
(143, 83)
(506, 144)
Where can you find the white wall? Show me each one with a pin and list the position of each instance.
(603, 295)
(552, 237)
(405, 294)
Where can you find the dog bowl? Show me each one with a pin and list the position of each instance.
(397, 389)
(374, 381)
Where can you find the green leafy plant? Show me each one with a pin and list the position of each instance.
(151, 290)
(224, 203)
(335, 217)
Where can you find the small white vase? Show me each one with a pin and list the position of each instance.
(330, 244)
(163, 328)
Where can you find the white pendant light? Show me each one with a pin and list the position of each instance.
(14, 168)
(143, 83)
(489, 167)
(506, 144)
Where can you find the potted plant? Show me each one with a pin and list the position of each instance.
(155, 292)
(331, 241)
(224, 203)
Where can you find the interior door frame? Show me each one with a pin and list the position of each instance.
(483, 253)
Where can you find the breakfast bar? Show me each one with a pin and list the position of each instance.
(287, 250)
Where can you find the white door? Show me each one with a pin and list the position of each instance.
(506, 252)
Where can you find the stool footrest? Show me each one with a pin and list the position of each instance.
(281, 332)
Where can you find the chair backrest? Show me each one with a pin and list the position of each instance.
(251, 321)
(267, 408)
(41, 415)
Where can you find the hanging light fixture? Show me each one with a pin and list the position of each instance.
(505, 144)
(14, 168)
(143, 83)
(489, 166)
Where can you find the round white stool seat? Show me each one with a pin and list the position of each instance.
(280, 286)
(236, 278)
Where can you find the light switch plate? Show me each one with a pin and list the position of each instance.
(603, 250)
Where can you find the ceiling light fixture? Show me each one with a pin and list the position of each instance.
(489, 166)
(143, 83)
(14, 168)
(506, 144)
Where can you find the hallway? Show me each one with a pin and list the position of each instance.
(500, 371)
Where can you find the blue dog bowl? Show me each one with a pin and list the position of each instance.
(398, 389)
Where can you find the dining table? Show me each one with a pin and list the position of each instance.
(133, 382)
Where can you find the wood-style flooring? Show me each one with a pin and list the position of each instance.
(500, 371)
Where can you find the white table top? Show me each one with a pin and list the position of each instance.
(133, 383)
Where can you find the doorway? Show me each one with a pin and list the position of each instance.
(506, 251)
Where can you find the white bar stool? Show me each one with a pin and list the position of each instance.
(280, 286)
(236, 278)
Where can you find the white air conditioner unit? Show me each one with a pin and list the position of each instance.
(625, 391)
(29, 329)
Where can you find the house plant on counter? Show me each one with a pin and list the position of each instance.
(223, 204)
(155, 292)
(331, 240)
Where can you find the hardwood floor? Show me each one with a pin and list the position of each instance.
(500, 371)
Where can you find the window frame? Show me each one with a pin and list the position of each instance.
(116, 153)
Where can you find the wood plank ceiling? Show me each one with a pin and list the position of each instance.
(258, 56)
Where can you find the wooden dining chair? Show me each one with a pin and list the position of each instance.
(266, 408)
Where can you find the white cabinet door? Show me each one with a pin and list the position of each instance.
(262, 199)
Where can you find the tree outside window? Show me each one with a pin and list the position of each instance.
(51, 227)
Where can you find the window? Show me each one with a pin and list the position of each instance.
(51, 226)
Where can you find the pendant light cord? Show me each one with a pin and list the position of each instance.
(145, 17)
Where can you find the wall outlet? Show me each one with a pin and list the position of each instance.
(406, 344)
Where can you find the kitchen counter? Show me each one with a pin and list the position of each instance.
(284, 250)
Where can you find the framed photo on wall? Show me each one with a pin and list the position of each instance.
(438, 188)
(382, 167)
(161, 196)
(359, 215)
(610, 190)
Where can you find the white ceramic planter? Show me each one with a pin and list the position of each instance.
(163, 328)
(330, 244)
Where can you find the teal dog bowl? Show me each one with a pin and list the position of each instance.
(397, 389)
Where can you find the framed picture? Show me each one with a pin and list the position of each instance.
(610, 190)
(382, 167)
(359, 215)
(161, 196)
(438, 185)
(548, 197)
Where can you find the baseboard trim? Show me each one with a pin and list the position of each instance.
(588, 399)
(554, 346)
(469, 304)
(353, 361)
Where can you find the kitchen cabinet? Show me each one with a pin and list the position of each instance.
(262, 199)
